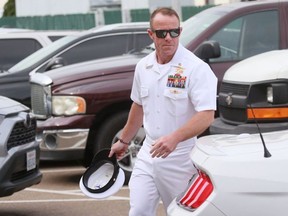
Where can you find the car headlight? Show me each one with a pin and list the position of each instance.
(68, 105)
(270, 94)
(277, 93)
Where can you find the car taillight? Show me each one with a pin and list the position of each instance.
(197, 192)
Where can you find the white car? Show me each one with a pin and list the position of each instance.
(236, 178)
(20, 43)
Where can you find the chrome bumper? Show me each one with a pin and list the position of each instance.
(68, 144)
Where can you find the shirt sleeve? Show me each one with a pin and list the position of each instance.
(203, 88)
(136, 86)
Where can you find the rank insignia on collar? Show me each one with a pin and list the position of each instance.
(148, 66)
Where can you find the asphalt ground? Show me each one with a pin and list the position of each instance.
(58, 194)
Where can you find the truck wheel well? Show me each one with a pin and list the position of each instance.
(103, 130)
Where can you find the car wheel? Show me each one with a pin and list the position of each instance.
(109, 133)
(128, 161)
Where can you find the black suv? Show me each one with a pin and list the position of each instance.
(105, 41)
(19, 151)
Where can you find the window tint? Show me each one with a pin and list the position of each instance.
(141, 41)
(97, 48)
(248, 35)
(14, 50)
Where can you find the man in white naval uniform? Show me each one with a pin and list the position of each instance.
(174, 98)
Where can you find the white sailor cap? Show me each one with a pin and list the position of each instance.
(103, 177)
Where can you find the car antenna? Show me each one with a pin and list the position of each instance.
(266, 152)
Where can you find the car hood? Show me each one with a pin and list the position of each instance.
(265, 66)
(244, 144)
(8, 106)
(89, 69)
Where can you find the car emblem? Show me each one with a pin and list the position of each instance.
(27, 121)
(229, 99)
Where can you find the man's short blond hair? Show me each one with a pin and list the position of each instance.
(165, 11)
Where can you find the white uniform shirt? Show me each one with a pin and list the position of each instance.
(169, 98)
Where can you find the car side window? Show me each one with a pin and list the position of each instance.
(141, 41)
(248, 35)
(14, 50)
(96, 48)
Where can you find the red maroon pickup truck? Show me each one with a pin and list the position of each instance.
(82, 108)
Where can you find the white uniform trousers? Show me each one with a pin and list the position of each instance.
(153, 179)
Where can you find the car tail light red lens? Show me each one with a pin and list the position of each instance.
(198, 191)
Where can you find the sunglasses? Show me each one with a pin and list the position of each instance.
(163, 33)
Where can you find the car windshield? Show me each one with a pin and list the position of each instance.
(38, 55)
(192, 27)
(195, 25)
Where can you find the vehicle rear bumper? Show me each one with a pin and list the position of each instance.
(205, 209)
(220, 127)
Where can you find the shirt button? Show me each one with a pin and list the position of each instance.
(158, 111)
(157, 127)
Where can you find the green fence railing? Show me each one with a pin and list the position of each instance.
(84, 21)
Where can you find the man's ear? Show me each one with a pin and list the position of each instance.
(181, 30)
(150, 33)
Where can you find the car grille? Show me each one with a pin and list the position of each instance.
(234, 89)
(233, 114)
(39, 99)
(22, 134)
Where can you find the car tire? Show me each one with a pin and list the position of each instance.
(108, 133)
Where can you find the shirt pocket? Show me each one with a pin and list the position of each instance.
(176, 101)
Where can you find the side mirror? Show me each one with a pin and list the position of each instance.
(207, 50)
(55, 63)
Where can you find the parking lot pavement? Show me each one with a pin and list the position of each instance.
(59, 194)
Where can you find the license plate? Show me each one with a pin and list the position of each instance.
(31, 160)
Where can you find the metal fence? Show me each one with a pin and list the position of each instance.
(84, 21)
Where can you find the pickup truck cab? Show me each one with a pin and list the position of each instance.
(82, 108)
(254, 90)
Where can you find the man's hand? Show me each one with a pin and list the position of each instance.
(163, 146)
(119, 149)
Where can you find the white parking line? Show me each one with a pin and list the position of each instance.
(67, 192)
(115, 198)
(62, 170)
(64, 192)
(75, 192)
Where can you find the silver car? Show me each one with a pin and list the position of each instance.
(19, 151)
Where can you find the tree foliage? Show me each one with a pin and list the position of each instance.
(9, 8)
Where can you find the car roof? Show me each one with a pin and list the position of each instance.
(117, 26)
(229, 7)
(8, 30)
(33, 33)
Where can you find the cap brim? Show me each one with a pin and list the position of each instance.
(109, 192)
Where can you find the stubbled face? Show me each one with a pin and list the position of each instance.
(165, 47)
